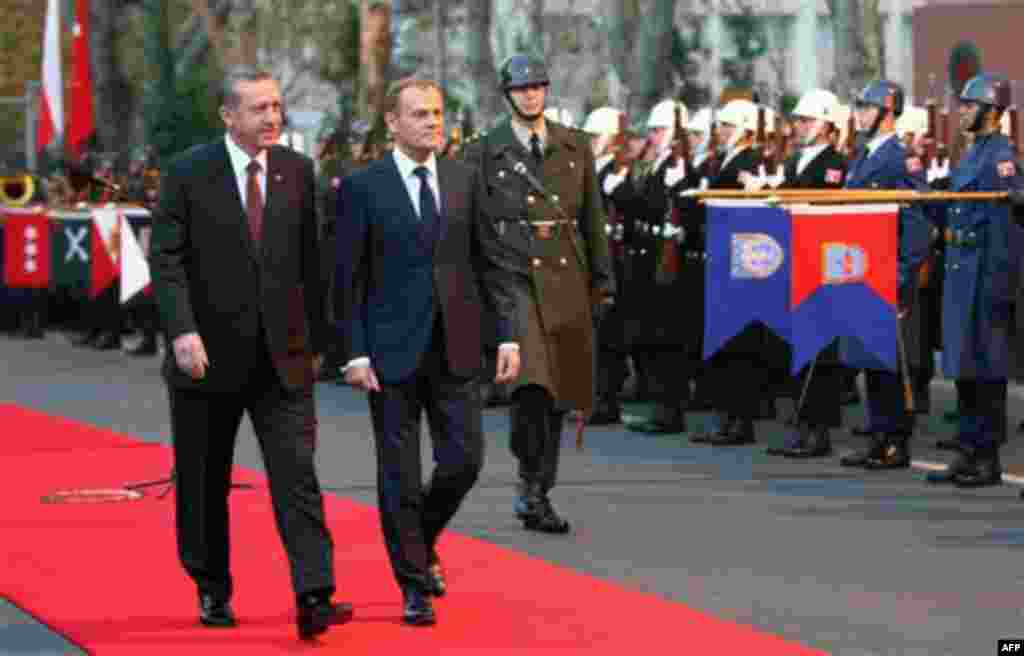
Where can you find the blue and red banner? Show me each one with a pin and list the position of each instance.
(811, 274)
(748, 271)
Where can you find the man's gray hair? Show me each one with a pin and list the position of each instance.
(229, 88)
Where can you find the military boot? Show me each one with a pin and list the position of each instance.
(963, 464)
(529, 500)
(719, 425)
(741, 431)
(873, 449)
(546, 520)
(668, 418)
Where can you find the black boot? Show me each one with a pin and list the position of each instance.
(547, 520)
(607, 413)
(963, 464)
(667, 419)
(720, 425)
(987, 470)
(873, 449)
(87, 338)
(146, 347)
(741, 431)
(528, 498)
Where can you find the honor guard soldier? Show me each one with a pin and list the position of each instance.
(979, 286)
(735, 373)
(656, 338)
(816, 165)
(546, 211)
(882, 164)
(605, 126)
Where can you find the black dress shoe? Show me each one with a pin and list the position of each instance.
(86, 339)
(862, 431)
(741, 431)
(962, 464)
(657, 428)
(107, 342)
(216, 612)
(894, 455)
(317, 614)
(987, 471)
(546, 520)
(720, 425)
(817, 444)
(605, 415)
(948, 444)
(437, 579)
(145, 348)
(860, 458)
(416, 608)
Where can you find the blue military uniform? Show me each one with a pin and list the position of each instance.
(980, 278)
(886, 168)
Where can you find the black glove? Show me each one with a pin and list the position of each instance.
(1016, 198)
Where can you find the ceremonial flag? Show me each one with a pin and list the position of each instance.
(72, 245)
(134, 268)
(26, 251)
(82, 118)
(747, 276)
(106, 246)
(845, 283)
(51, 99)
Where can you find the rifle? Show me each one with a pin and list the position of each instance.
(781, 143)
(620, 147)
(760, 139)
(1014, 115)
(931, 143)
(668, 263)
(849, 148)
(713, 161)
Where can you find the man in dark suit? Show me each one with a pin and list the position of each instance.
(237, 281)
(413, 274)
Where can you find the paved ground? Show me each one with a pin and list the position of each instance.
(854, 563)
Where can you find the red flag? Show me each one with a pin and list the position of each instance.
(27, 251)
(82, 119)
(51, 99)
(106, 245)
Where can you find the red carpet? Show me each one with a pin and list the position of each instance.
(106, 575)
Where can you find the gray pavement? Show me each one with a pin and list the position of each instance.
(851, 562)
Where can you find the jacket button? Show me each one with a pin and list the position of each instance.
(563, 261)
(536, 261)
(554, 197)
(531, 200)
(956, 267)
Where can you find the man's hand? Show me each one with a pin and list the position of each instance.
(675, 173)
(507, 365)
(190, 354)
(362, 377)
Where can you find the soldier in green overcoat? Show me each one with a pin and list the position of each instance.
(545, 214)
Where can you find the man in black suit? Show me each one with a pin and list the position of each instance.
(413, 272)
(238, 284)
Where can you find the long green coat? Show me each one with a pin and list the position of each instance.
(568, 269)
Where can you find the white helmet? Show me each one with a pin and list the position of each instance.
(563, 116)
(603, 121)
(769, 121)
(914, 120)
(820, 105)
(740, 113)
(663, 115)
(701, 121)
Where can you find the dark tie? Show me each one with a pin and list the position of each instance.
(535, 149)
(428, 204)
(254, 201)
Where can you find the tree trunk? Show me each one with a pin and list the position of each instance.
(440, 10)
(641, 34)
(488, 100)
(374, 54)
(856, 28)
(113, 96)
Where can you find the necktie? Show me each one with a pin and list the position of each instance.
(254, 201)
(535, 150)
(428, 204)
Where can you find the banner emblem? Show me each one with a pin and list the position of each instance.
(843, 263)
(755, 255)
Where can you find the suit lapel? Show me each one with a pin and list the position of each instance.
(395, 180)
(234, 205)
(271, 206)
(445, 200)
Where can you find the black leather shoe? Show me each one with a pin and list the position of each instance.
(437, 579)
(657, 428)
(546, 520)
(894, 455)
(817, 444)
(317, 614)
(145, 348)
(948, 444)
(741, 431)
(720, 425)
(862, 431)
(107, 342)
(987, 471)
(962, 464)
(605, 415)
(528, 499)
(860, 458)
(86, 339)
(216, 612)
(417, 609)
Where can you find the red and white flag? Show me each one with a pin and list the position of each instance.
(51, 100)
(134, 268)
(106, 247)
(27, 251)
(83, 122)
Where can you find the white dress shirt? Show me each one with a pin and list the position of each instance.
(240, 163)
(406, 169)
(807, 155)
(523, 134)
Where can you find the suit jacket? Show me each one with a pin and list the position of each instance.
(209, 276)
(393, 279)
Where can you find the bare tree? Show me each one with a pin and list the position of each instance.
(375, 54)
(440, 11)
(857, 31)
(641, 33)
(480, 60)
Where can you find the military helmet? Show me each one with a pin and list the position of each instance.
(603, 121)
(988, 89)
(914, 121)
(520, 71)
(700, 121)
(663, 115)
(818, 104)
(884, 95)
(741, 113)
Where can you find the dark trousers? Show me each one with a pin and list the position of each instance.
(887, 407)
(670, 372)
(536, 438)
(612, 371)
(204, 427)
(983, 420)
(736, 385)
(822, 402)
(413, 517)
